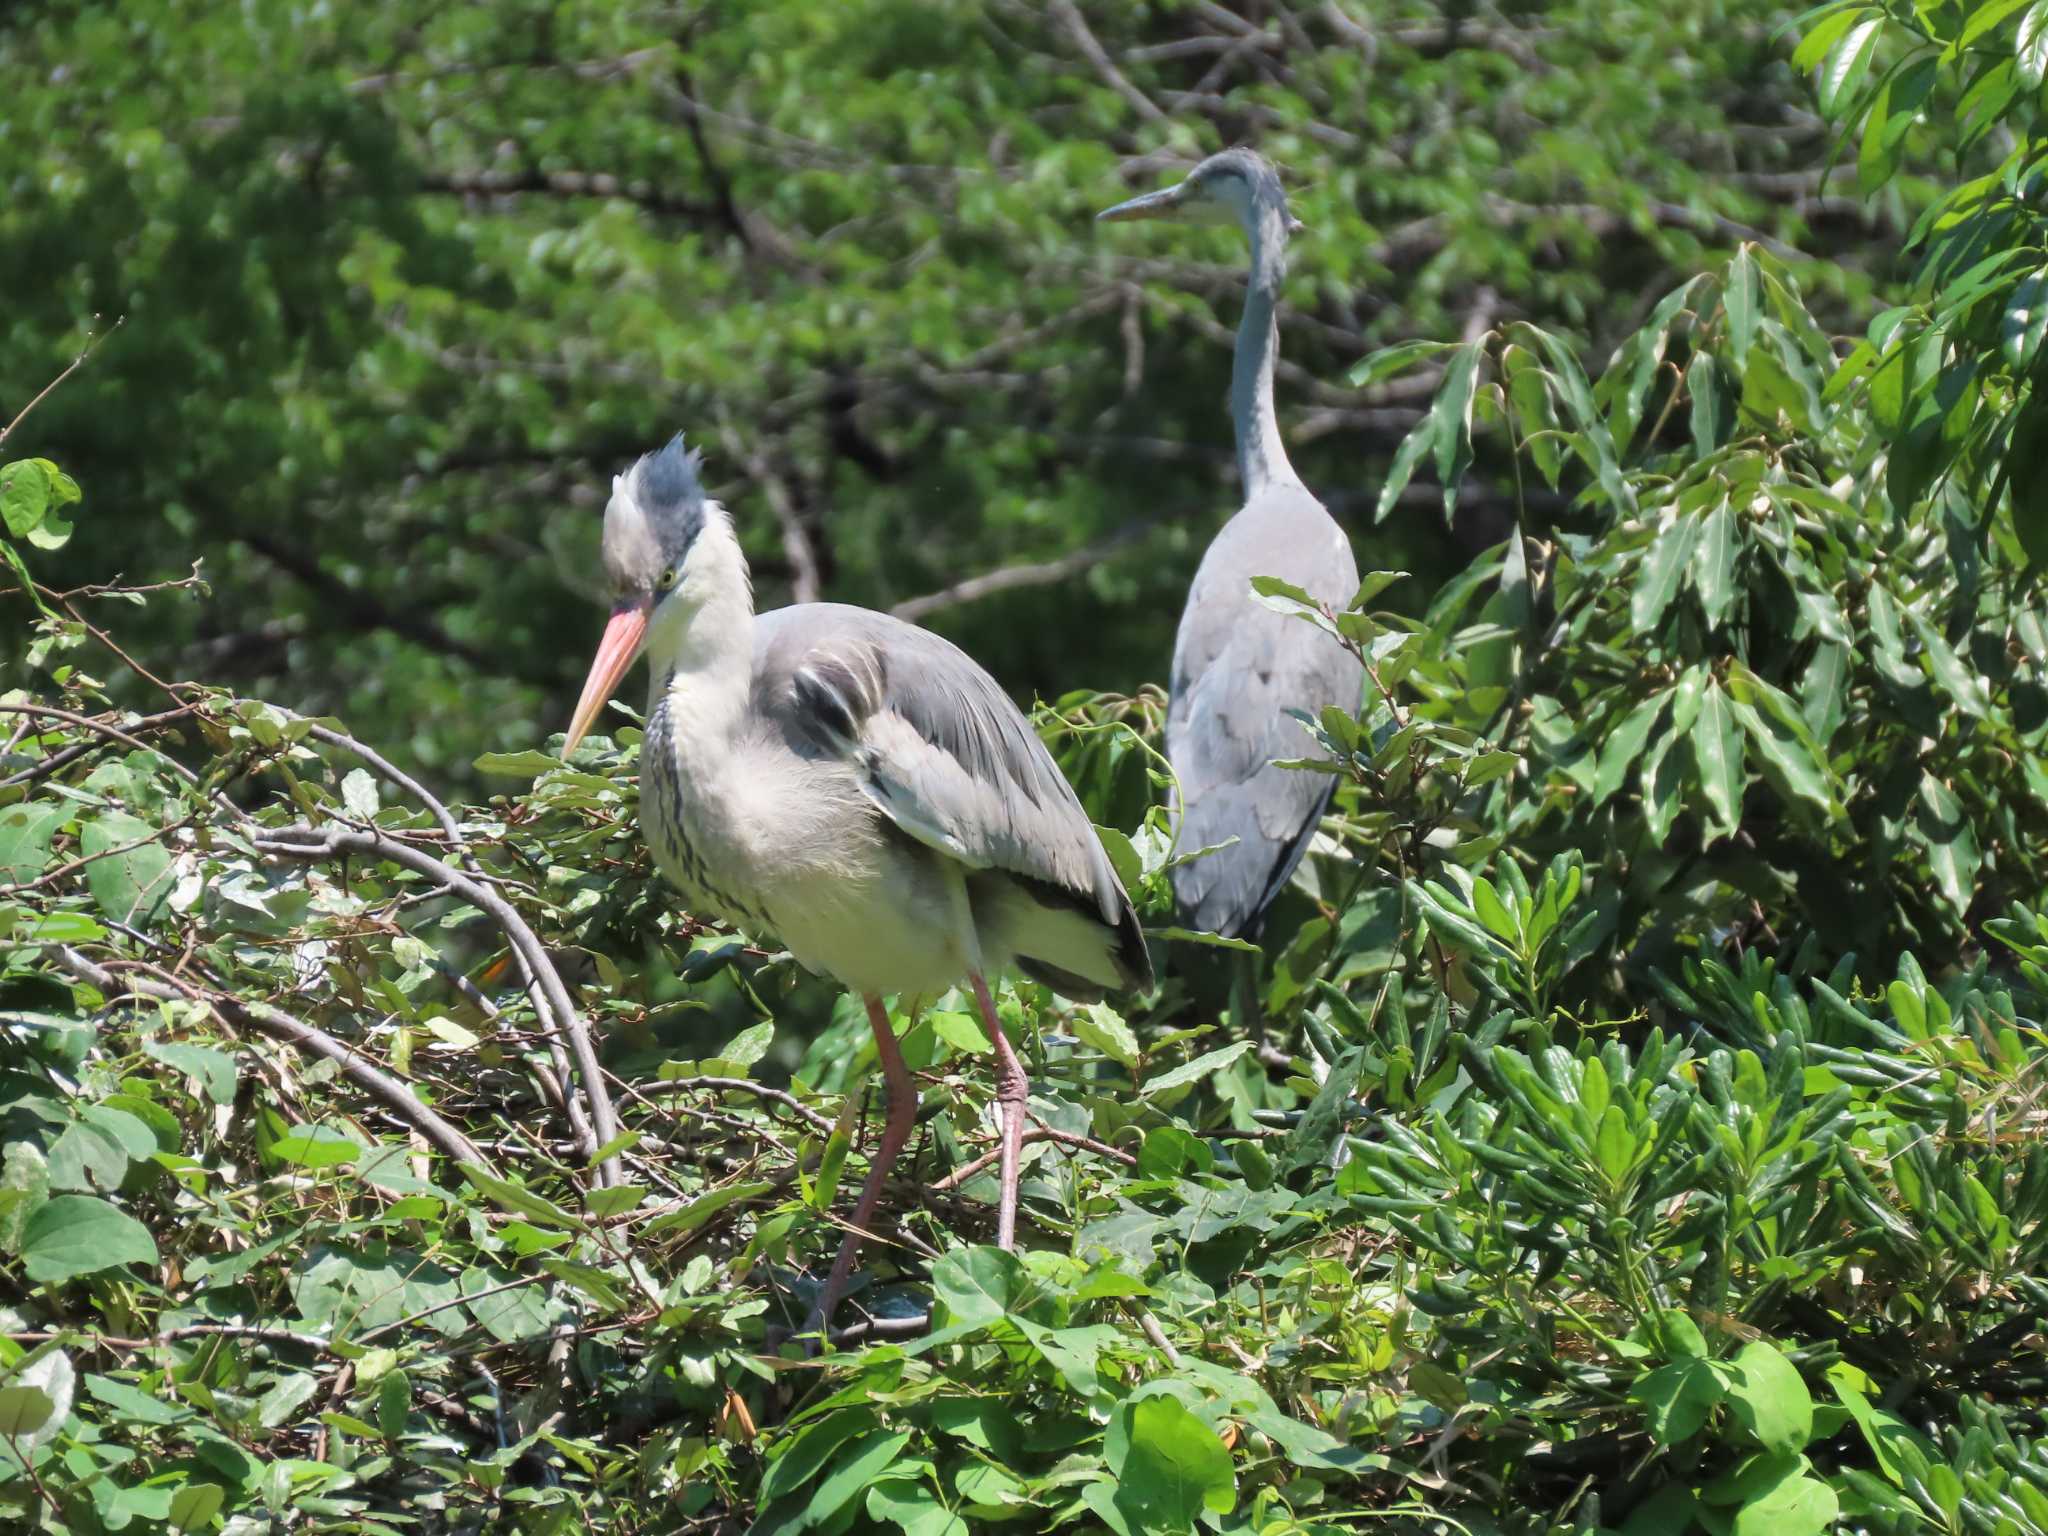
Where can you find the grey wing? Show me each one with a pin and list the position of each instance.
(1239, 668)
(938, 748)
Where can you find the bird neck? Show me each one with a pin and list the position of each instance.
(1261, 457)
(701, 653)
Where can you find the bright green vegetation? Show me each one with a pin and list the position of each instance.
(1647, 1134)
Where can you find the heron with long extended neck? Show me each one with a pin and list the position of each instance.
(1239, 667)
(857, 787)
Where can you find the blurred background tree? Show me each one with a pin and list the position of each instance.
(404, 286)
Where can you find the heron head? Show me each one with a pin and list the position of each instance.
(1235, 184)
(652, 525)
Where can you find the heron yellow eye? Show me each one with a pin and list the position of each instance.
(668, 579)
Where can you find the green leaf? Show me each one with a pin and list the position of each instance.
(2030, 51)
(518, 1199)
(1624, 744)
(2025, 320)
(1814, 46)
(1452, 413)
(1419, 441)
(394, 1403)
(1709, 409)
(1169, 1465)
(1769, 1398)
(316, 1146)
(1104, 1028)
(76, 1235)
(24, 494)
(359, 794)
(1713, 571)
(915, 1508)
(1717, 748)
(1614, 1144)
(194, 1506)
(961, 1031)
(25, 833)
(979, 1285)
(1784, 758)
(1678, 1398)
(1797, 1506)
(36, 1399)
(1740, 295)
(804, 1455)
(131, 887)
(1844, 70)
(1962, 685)
(1662, 568)
(1193, 1071)
(860, 1464)
(705, 1206)
(1388, 361)
(281, 1404)
(1942, 827)
(213, 1070)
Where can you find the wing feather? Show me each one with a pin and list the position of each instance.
(938, 748)
(1239, 668)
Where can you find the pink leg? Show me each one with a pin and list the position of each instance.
(1013, 1090)
(895, 1134)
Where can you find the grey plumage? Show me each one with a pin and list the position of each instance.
(841, 682)
(855, 786)
(1239, 667)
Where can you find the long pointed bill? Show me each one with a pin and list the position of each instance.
(617, 651)
(1153, 205)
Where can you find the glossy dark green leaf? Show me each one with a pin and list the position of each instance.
(1942, 827)
(1663, 567)
(1847, 63)
(1709, 407)
(2030, 50)
(1741, 295)
(1713, 569)
(1452, 413)
(1421, 440)
(1717, 748)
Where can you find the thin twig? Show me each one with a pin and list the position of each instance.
(77, 363)
(71, 754)
(278, 1025)
(550, 996)
(100, 727)
(1071, 18)
(790, 1101)
(89, 858)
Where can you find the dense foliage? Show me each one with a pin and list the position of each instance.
(1645, 1134)
(405, 285)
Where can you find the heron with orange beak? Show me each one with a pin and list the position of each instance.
(857, 787)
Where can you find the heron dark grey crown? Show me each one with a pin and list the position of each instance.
(1256, 169)
(665, 484)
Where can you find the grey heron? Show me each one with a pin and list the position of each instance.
(856, 786)
(1238, 666)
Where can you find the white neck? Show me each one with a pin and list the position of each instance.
(1261, 457)
(700, 643)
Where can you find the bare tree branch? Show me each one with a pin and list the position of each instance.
(1030, 574)
(1070, 17)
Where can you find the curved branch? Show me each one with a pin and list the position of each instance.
(550, 996)
(278, 1025)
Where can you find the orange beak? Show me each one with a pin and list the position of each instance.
(616, 652)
